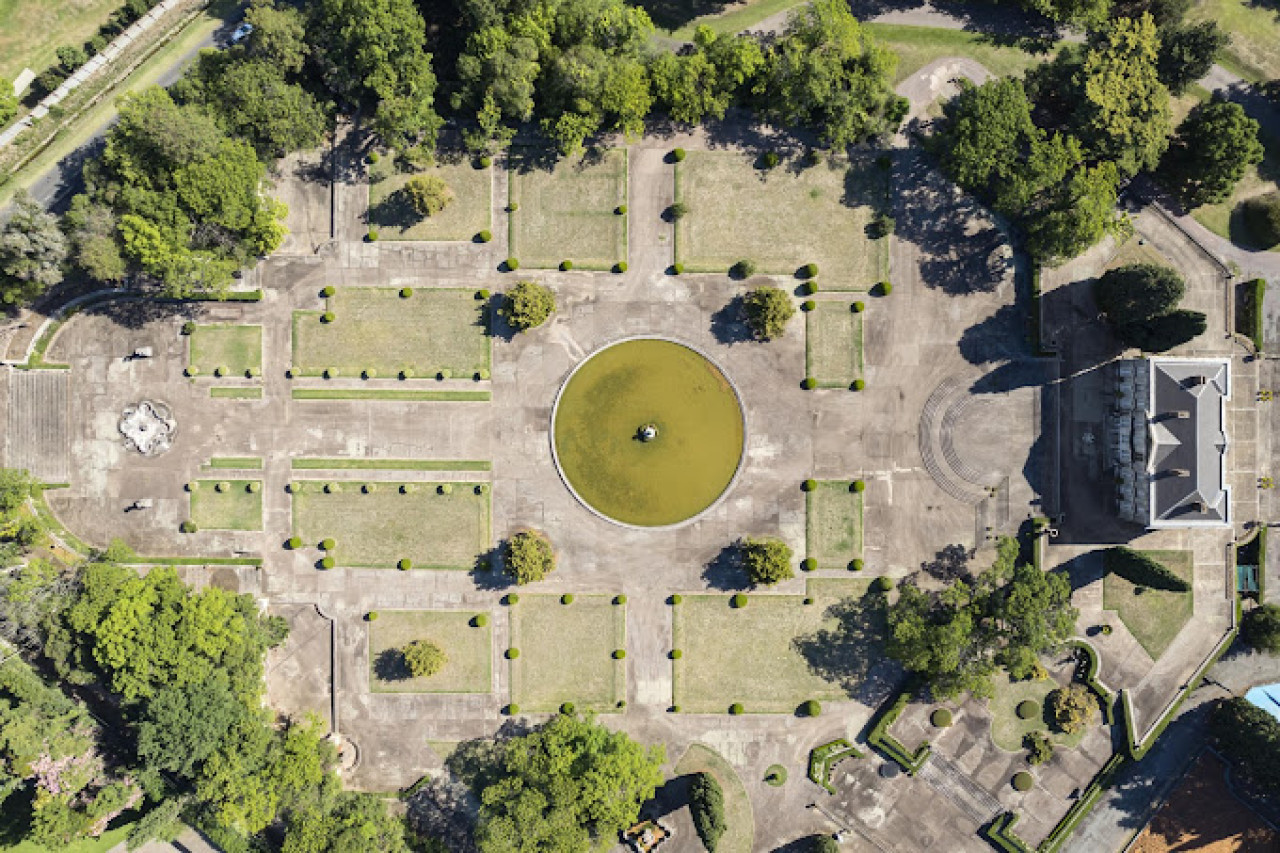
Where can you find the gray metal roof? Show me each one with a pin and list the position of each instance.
(1188, 442)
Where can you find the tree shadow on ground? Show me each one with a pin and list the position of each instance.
(395, 211)
(851, 653)
(445, 809)
(133, 311)
(390, 665)
(725, 570)
(729, 324)
(495, 325)
(672, 796)
(950, 564)
(487, 572)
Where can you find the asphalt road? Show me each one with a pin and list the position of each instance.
(60, 182)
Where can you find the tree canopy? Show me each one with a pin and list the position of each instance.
(32, 251)
(768, 310)
(528, 305)
(529, 556)
(1140, 301)
(1208, 157)
(565, 786)
(1261, 627)
(767, 561)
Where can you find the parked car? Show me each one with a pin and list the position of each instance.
(241, 32)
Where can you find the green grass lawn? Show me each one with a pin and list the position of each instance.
(468, 650)
(234, 462)
(739, 834)
(386, 525)
(375, 329)
(568, 213)
(833, 344)
(391, 395)
(470, 212)
(1155, 616)
(764, 655)
(235, 393)
(566, 653)
(234, 349)
(738, 17)
(101, 844)
(782, 219)
(236, 508)
(1007, 730)
(916, 47)
(833, 524)
(1254, 52)
(32, 30)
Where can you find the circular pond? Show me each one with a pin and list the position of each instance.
(648, 432)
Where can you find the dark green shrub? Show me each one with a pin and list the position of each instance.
(1261, 627)
(619, 600)
(620, 210)
(677, 211)
(566, 265)
(883, 584)
(405, 565)
(529, 557)
(677, 598)
(809, 383)
(188, 328)
(809, 564)
(810, 287)
(1039, 747)
(1022, 781)
(513, 598)
(810, 708)
(775, 775)
(884, 288)
(511, 264)
(406, 292)
(1139, 569)
(327, 317)
(327, 291)
(767, 561)
(528, 305)
(327, 544)
(620, 267)
(188, 526)
(739, 600)
(768, 310)
(858, 307)
(808, 305)
(619, 654)
(940, 718)
(327, 563)
(480, 620)
(424, 658)
(293, 543)
(736, 709)
(706, 807)
(744, 268)
(513, 709)
(1027, 709)
(822, 844)
(1261, 216)
(512, 653)
(809, 485)
(677, 154)
(1071, 707)
(676, 654)
(809, 270)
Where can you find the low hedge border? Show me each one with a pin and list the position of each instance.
(823, 759)
(881, 740)
(1087, 673)
(1001, 834)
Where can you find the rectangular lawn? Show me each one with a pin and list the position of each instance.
(467, 648)
(380, 527)
(376, 329)
(469, 213)
(235, 508)
(1155, 616)
(756, 655)
(782, 219)
(569, 212)
(833, 524)
(833, 344)
(566, 653)
(233, 349)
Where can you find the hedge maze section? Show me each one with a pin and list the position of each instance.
(770, 655)
(233, 350)
(833, 524)
(833, 344)
(379, 330)
(569, 212)
(566, 653)
(783, 218)
(394, 218)
(226, 504)
(468, 649)
(379, 524)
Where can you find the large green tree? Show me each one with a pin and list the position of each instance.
(1140, 301)
(826, 72)
(1187, 53)
(1214, 145)
(345, 823)
(8, 101)
(32, 252)
(568, 785)
(704, 81)
(1074, 215)
(182, 725)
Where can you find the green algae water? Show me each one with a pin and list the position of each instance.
(640, 383)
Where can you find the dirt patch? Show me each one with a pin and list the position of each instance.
(1203, 815)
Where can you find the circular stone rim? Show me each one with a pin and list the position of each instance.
(742, 453)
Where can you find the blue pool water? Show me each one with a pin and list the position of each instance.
(1266, 697)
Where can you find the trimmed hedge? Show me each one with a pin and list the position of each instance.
(480, 620)
(619, 654)
(883, 584)
(736, 709)
(567, 598)
(824, 758)
(1087, 672)
(940, 719)
(810, 708)
(885, 743)
(1141, 570)
(511, 653)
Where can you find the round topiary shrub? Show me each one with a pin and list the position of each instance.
(884, 288)
(677, 598)
(810, 708)
(567, 598)
(808, 305)
(809, 485)
(405, 564)
(739, 600)
(253, 487)
(293, 488)
(621, 703)
(327, 317)
(1027, 709)
(481, 374)
(373, 157)
(191, 370)
(372, 236)
(444, 373)
(327, 563)
(809, 383)
(620, 210)
(619, 600)
(736, 708)
(1023, 781)
(293, 543)
(188, 526)
(512, 653)
(445, 488)
(327, 544)
(191, 485)
(809, 270)
(483, 294)
(511, 264)
(327, 291)
(744, 268)
(566, 265)
(513, 598)
(620, 267)
(677, 268)
(859, 384)
(619, 654)
(513, 206)
(940, 719)
(369, 373)
(677, 154)
(884, 584)
(222, 486)
(811, 287)
(676, 654)
(775, 775)
(220, 371)
(406, 292)
(808, 600)
(332, 488)
(484, 162)
(1106, 630)
(480, 620)
(188, 328)
(371, 616)
(809, 564)
(675, 709)
(513, 709)
(484, 236)
(855, 565)
(858, 307)
(858, 486)
(568, 709)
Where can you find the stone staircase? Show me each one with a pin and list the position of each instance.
(962, 792)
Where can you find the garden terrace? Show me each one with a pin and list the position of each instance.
(227, 349)
(783, 218)
(566, 653)
(467, 645)
(378, 329)
(833, 344)
(394, 218)
(380, 524)
(1153, 616)
(574, 211)
(226, 504)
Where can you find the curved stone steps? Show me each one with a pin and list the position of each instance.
(958, 465)
(929, 442)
